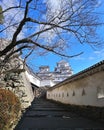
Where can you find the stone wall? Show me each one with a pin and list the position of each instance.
(18, 83)
(85, 88)
(13, 77)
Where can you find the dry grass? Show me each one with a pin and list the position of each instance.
(9, 109)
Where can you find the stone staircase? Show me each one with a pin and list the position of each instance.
(47, 115)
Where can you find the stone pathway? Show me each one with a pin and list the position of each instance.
(46, 115)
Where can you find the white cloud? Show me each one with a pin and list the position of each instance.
(54, 4)
(99, 51)
(91, 58)
(56, 9)
(99, 54)
(96, 55)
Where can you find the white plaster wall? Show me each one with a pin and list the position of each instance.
(89, 85)
(39, 83)
(33, 79)
(46, 83)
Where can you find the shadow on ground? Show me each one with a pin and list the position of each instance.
(47, 115)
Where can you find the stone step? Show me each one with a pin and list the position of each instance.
(48, 108)
(55, 122)
(50, 115)
(63, 114)
(43, 106)
(38, 104)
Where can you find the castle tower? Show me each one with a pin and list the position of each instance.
(64, 68)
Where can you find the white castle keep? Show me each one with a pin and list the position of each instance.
(61, 72)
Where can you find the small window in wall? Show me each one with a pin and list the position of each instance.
(73, 94)
(83, 92)
(67, 95)
(100, 92)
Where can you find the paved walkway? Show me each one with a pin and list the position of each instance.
(46, 115)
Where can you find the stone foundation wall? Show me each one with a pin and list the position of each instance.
(13, 77)
(20, 85)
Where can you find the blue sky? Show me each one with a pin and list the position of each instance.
(87, 59)
(91, 55)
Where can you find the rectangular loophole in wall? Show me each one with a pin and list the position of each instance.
(83, 92)
(62, 94)
(73, 94)
(67, 94)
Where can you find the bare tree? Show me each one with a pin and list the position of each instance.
(43, 26)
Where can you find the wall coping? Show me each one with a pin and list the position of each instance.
(82, 74)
